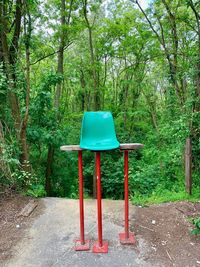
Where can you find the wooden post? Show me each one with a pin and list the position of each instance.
(188, 166)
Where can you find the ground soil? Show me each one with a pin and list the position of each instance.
(165, 229)
(12, 226)
(162, 231)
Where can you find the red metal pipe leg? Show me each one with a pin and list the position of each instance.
(126, 237)
(80, 171)
(81, 244)
(126, 194)
(100, 246)
(98, 173)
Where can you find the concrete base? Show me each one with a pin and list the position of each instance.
(55, 225)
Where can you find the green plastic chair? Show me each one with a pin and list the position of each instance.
(98, 131)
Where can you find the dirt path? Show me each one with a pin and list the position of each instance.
(162, 233)
(12, 226)
(166, 231)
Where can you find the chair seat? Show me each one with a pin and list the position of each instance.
(100, 146)
(98, 131)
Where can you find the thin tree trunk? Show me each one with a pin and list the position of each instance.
(48, 174)
(170, 57)
(4, 166)
(60, 71)
(83, 93)
(194, 124)
(25, 154)
(188, 166)
(96, 94)
(197, 16)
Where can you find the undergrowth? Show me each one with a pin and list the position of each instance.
(165, 196)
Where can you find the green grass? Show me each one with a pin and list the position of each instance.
(165, 196)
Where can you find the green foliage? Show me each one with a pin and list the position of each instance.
(3, 84)
(196, 223)
(9, 162)
(160, 195)
(112, 175)
(36, 191)
(150, 88)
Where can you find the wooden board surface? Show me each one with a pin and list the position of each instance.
(28, 209)
(71, 148)
(131, 146)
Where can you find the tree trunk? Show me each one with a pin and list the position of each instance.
(83, 93)
(188, 166)
(50, 156)
(24, 159)
(4, 166)
(96, 94)
(10, 59)
(60, 58)
(197, 16)
(57, 97)
(170, 57)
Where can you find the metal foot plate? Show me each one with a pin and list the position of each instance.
(97, 249)
(127, 241)
(79, 246)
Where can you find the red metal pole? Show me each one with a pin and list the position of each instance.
(99, 246)
(126, 237)
(81, 207)
(126, 194)
(98, 173)
(81, 244)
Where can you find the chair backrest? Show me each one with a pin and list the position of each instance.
(98, 131)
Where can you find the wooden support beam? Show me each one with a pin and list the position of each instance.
(131, 146)
(71, 148)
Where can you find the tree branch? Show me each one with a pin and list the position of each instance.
(150, 24)
(51, 54)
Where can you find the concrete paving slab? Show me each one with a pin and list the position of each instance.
(50, 240)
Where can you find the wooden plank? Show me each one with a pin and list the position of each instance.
(188, 166)
(28, 209)
(131, 146)
(71, 148)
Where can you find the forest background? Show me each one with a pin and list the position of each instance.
(59, 58)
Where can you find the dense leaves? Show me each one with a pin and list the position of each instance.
(61, 58)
